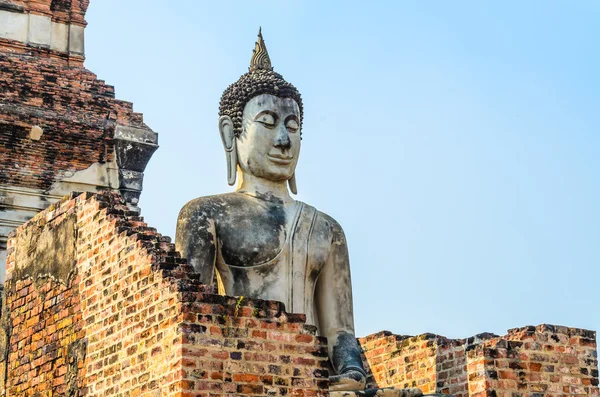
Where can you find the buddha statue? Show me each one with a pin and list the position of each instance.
(258, 241)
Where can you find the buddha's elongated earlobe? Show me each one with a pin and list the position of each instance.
(292, 184)
(229, 144)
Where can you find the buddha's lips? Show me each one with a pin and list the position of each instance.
(280, 159)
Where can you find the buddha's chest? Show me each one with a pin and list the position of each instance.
(272, 243)
(253, 236)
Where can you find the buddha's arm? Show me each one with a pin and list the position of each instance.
(195, 240)
(333, 298)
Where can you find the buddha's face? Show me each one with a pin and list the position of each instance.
(269, 144)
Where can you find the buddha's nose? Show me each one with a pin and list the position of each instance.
(282, 140)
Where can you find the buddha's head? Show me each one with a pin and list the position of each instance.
(260, 122)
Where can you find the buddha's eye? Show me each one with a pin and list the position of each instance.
(292, 125)
(266, 119)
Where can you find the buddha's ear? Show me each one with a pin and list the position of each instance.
(292, 184)
(229, 144)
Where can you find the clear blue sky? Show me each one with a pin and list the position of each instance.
(458, 143)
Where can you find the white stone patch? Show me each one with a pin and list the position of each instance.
(60, 37)
(76, 39)
(36, 133)
(40, 28)
(2, 265)
(96, 176)
(14, 26)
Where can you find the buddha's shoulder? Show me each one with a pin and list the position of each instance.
(212, 205)
(326, 223)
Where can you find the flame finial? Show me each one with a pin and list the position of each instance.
(260, 57)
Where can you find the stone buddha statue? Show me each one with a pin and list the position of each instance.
(258, 241)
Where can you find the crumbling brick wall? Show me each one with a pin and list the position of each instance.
(56, 117)
(540, 361)
(98, 303)
(76, 112)
(41, 341)
(400, 361)
(531, 361)
(430, 362)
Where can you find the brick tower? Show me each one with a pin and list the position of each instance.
(61, 129)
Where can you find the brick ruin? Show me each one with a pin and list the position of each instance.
(61, 129)
(117, 312)
(97, 303)
(531, 361)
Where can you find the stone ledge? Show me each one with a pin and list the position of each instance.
(40, 31)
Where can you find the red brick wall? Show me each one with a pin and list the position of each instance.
(43, 318)
(129, 318)
(451, 362)
(76, 112)
(536, 361)
(400, 361)
(532, 361)
(98, 303)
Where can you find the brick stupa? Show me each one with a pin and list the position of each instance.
(61, 129)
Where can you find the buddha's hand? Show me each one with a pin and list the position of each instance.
(347, 380)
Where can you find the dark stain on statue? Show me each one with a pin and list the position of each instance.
(271, 198)
(241, 281)
(267, 285)
(314, 274)
(249, 234)
(265, 270)
(198, 246)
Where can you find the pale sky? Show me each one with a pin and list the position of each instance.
(457, 143)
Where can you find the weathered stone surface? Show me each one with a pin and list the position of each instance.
(46, 251)
(40, 30)
(76, 39)
(59, 37)
(14, 26)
